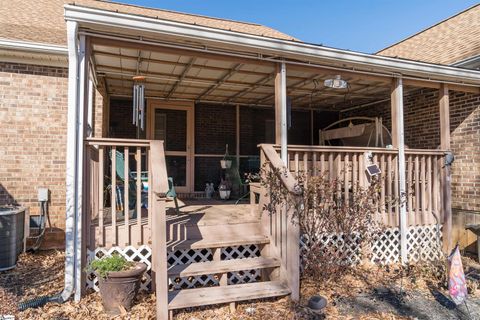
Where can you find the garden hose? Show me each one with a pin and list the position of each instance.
(39, 302)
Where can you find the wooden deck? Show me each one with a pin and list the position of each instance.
(195, 219)
(211, 212)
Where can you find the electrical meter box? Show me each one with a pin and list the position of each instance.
(42, 194)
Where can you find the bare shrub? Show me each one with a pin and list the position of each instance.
(334, 227)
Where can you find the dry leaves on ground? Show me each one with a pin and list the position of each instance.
(42, 274)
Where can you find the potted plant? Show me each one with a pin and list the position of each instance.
(225, 163)
(224, 190)
(119, 281)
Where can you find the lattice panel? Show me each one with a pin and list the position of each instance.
(140, 254)
(424, 243)
(346, 249)
(386, 248)
(191, 256)
(186, 257)
(242, 252)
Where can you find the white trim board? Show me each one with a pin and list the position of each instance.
(119, 23)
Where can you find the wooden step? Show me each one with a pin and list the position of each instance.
(224, 294)
(215, 267)
(217, 242)
(178, 230)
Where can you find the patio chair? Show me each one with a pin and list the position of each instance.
(171, 193)
(132, 186)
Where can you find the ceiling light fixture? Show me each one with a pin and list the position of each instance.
(336, 83)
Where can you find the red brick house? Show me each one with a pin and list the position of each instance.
(66, 83)
(454, 41)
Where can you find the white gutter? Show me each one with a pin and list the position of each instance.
(36, 47)
(286, 49)
(471, 62)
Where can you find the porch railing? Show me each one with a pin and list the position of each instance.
(423, 198)
(126, 182)
(277, 224)
(118, 210)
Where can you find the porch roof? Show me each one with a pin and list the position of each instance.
(194, 62)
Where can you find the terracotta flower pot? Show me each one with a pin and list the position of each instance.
(120, 288)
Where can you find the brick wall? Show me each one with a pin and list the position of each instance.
(120, 120)
(422, 130)
(33, 114)
(33, 117)
(465, 142)
(252, 128)
(214, 128)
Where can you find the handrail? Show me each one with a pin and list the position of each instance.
(299, 148)
(159, 168)
(118, 142)
(286, 177)
(284, 234)
(159, 226)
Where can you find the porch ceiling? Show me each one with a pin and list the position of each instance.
(207, 78)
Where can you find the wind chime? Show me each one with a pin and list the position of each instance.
(139, 103)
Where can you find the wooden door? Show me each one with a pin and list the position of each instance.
(173, 122)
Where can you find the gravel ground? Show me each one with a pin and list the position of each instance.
(366, 292)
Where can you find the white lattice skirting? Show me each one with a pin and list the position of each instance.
(424, 243)
(140, 254)
(144, 253)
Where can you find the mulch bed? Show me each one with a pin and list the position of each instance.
(42, 274)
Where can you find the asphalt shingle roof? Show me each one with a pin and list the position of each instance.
(42, 20)
(452, 40)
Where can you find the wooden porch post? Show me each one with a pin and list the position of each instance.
(281, 110)
(444, 106)
(398, 142)
(159, 227)
(237, 134)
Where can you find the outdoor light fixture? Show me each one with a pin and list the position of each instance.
(139, 103)
(336, 83)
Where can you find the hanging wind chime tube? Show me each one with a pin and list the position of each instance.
(139, 103)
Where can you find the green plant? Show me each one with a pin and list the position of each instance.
(112, 263)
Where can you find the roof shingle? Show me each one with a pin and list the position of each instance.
(452, 40)
(42, 20)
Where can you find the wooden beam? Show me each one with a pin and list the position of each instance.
(344, 73)
(237, 134)
(437, 85)
(159, 240)
(444, 106)
(257, 85)
(281, 109)
(182, 76)
(398, 136)
(290, 89)
(177, 51)
(221, 81)
(176, 64)
(394, 113)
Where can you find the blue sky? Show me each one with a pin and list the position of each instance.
(361, 25)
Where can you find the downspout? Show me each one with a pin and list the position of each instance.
(72, 162)
(71, 178)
